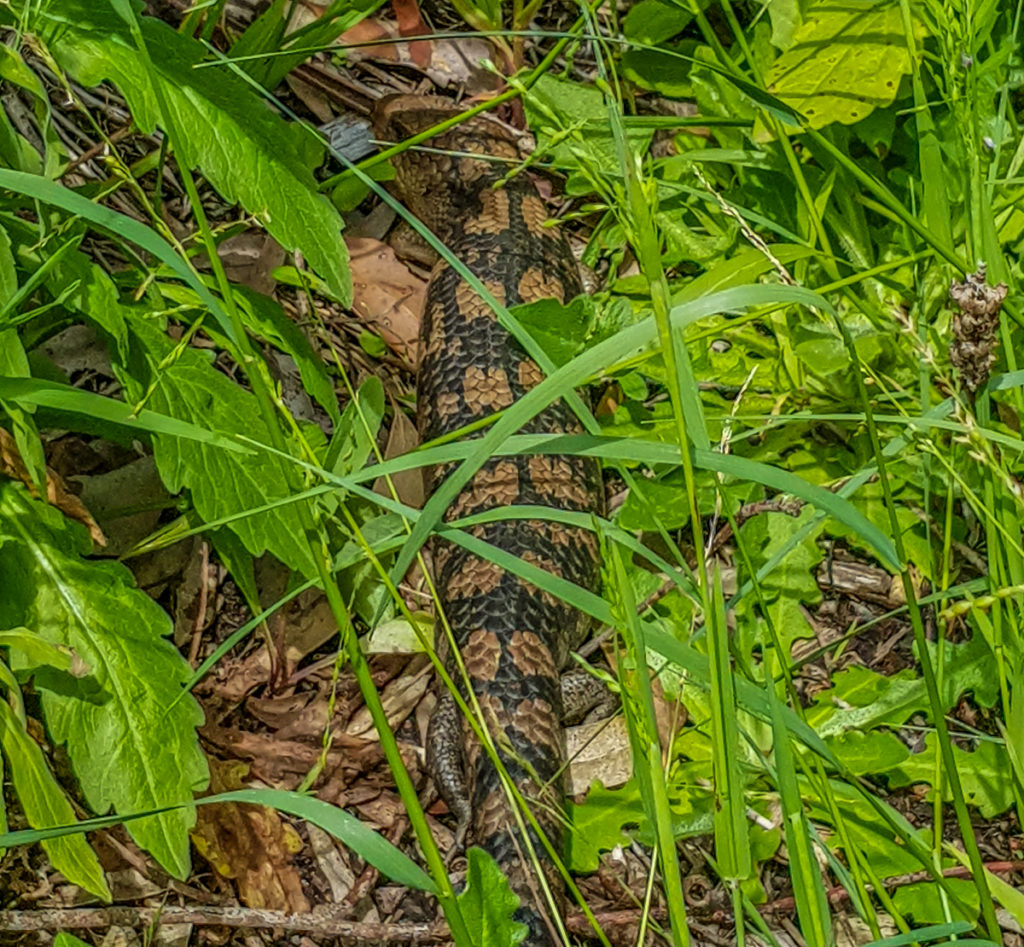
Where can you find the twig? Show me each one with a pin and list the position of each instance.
(838, 894)
(141, 917)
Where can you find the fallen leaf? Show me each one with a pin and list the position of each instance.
(331, 860)
(598, 750)
(252, 845)
(386, 296)
(411, 23)
(399, 699)
(135, 484)
(402, 438)
(250, 258)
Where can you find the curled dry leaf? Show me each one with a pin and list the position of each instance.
(399, 699)
(57, 493)
(449, 63)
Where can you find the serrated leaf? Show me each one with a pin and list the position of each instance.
(223, 485)
(45, 805)
(561, 330)
(846, 59)
(874, 752)
(34, 650)
(597, 823)
(265, 319)
(488, 902)
(861, 698)
(129, 732)
(250, 155)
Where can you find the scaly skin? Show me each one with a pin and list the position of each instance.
(513, 638)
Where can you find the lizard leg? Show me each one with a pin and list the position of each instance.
(582, 695)
(446, 763)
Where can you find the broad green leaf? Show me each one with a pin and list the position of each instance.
(268, 34)
(786, 17)
(846, 59)
(64, 939)
(14, 363)
(33, 391)
(8, 278)
(35, 651)
(559, 329)
(572, 120)
(654, 21)
(597, 823)
(488, 902)
(869, 753)
(19, 152)
(861, 698)
(250, 155)
(356, 433)
(45, 804)
(130, 749)
(74, 282)
(41, 189)
(224, 486)
(984, 774)
(266, 320)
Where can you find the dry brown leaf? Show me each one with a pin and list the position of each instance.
(598, 750)
(332, 862)
(250, 844)
(411, 23)
(402, 438)
(297, 716)
(309, 623)
(370, 31)
(251, 258)
(301, 627)
(312, 96)
(382, 811)
(399, 699)
(386, 296)
(284, 763)
(57, 493)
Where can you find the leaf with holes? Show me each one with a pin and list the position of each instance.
(846, 60)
